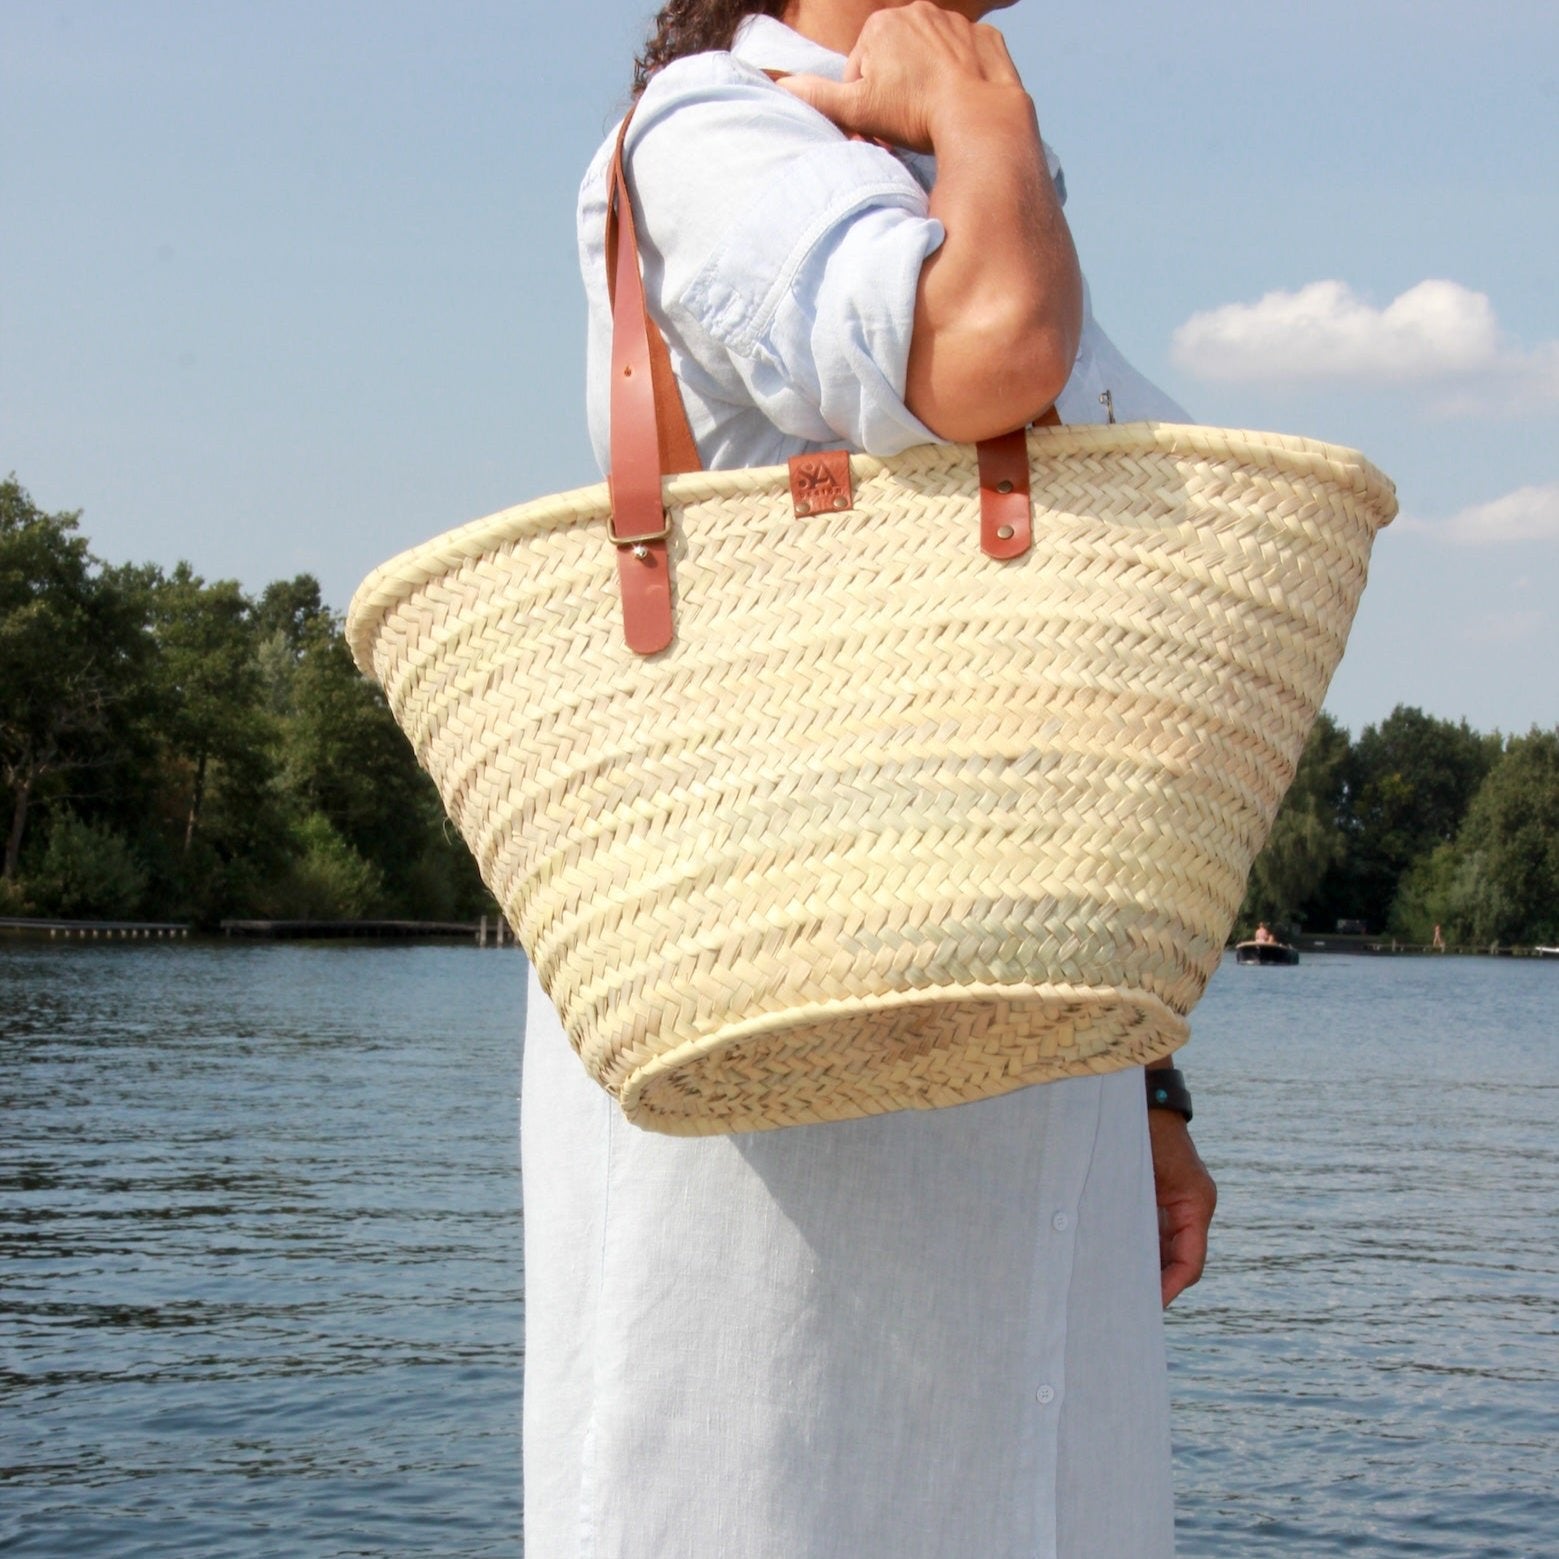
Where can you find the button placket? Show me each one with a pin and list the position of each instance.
(1072, 1128)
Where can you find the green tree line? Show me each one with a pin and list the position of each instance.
(172, 748)
(1419, 823)
(176, 749)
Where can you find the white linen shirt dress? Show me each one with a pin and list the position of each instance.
(929, 1335)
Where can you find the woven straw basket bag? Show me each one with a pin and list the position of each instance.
(936, 788)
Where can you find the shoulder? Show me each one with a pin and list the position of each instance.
(715, 147)
(707, 87)
(709, 115)
(701, 120)
(695, 74)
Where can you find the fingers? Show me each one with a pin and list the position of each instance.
(1187, 1199)
(909, 64)
(832, 99)
(1182, 1254)
(855, 107)
(844, 103)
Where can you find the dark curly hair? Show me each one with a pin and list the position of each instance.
(691, 27)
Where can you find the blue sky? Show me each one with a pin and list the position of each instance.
(291, 286)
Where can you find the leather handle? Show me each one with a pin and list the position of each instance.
(1006, 511)
(637, 341)
(651, 439)
(650, 434)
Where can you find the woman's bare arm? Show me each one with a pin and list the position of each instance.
(999, 307)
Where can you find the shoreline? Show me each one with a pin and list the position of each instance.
(487, 933)
(43, 929)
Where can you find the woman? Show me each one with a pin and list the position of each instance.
(926, 1334)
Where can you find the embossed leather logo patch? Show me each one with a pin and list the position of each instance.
(820, 484)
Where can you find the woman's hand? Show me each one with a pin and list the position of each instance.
(998, 313)
(908, 70)
(1186, 1198)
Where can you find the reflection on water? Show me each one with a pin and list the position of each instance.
(1369, 1366)
(259, 1251)
(260, 1278)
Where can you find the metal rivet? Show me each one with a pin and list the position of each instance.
(841, 502)
(641, 552)
(1004, 487)
(803, 508)
(1005, 533)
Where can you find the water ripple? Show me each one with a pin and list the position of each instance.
(260, 1287)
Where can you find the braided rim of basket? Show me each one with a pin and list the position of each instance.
(1171, 1029)
(392, 582)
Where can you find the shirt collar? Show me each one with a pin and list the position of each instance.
(768, 44)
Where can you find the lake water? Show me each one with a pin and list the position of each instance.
(261, 1290)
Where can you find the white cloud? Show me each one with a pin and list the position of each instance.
(1527, 514)
(1438, 333)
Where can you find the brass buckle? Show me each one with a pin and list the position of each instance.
(634, 541)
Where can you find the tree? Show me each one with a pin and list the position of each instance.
(347, 760)
(88, 870)
(1307, 837)
(1410, 781)
(190, 751)
(74, 649)
(210, 681)
(326, 879)
(292, 609)
(350, 761)
(288, 613)
(1506, 887)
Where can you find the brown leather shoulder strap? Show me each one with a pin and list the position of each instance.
(674, 434)
(650, 435)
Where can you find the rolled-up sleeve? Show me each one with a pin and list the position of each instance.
(812, 292)
(792, 251)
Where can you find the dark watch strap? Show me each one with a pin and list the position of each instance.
(1167, 1091)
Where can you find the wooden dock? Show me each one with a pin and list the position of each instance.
(336, 930)
(486, 932)
(95, 930)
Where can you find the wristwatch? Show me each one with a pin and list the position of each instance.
(1167, 1091)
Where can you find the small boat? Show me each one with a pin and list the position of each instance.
(1265, 953)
